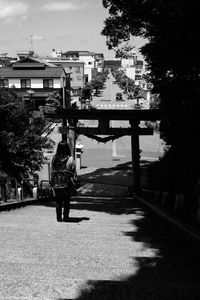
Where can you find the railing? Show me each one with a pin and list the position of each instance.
(11, 190)
(48, 128)
(8, 189)
(29, 189)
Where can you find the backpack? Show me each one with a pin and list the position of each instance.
(61, 179)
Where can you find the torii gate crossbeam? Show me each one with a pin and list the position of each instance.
(104, 116)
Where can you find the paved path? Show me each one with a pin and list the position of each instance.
(112, 248)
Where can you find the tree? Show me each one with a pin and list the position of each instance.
(96, 84)
(172, 51)
(86, 92)
(172, 31)
(21, 136)
(54, 99)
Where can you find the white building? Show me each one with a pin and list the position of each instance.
(56, 53)
(129, 61)
(133, 67)
(89, 61)
(35, 75)
(24, 53)
(99, 61)
(86, 57)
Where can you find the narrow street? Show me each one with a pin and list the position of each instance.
(101, 155)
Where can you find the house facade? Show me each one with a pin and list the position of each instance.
(76, 70)
(30, 76)
(99, 61)
(89, 62)
(132, 67)
(85, 57)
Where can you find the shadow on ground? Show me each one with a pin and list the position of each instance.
(121, 172)
(170, 273)
(167, 268)
(77, 220)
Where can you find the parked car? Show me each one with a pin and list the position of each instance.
(119, 97)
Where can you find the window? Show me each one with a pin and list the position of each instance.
(137, 77)
(78, 69)
(79, 77)
(25, 83)
(3, 83)
(47, 83)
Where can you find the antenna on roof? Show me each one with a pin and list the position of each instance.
(31, 41)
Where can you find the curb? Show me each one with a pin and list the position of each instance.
(15, 204)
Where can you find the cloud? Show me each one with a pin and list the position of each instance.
(37, 37)
(10, 9)
(66, 37)
(60, 6)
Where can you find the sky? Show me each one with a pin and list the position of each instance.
(64, 24)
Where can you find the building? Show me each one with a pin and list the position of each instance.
(75, 68)
(114, 64)
(85, 57)
(132, 67)
(30, 77)
(129, 61)
(99, 61)
(71, 55)
(89, 64)
(56, 53)
(139, 71)
(24, 53)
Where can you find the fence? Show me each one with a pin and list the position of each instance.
(11, 190)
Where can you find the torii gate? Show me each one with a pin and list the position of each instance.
(104, 117)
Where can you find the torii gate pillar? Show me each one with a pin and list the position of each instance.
(135, 152)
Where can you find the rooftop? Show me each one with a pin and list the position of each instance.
(9, 72)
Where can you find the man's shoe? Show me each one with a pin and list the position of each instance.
(66, 219)
(59, 220)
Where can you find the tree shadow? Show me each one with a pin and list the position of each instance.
(110, 205)
(105, 189)
(163, 265)
(110, 175)
(164, 268)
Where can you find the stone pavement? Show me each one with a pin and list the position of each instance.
(113, 248)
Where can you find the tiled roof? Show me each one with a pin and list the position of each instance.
(55, 72)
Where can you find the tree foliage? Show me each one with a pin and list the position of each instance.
(98, 82)
(21, 135)
(86, 92)
(172, 29)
